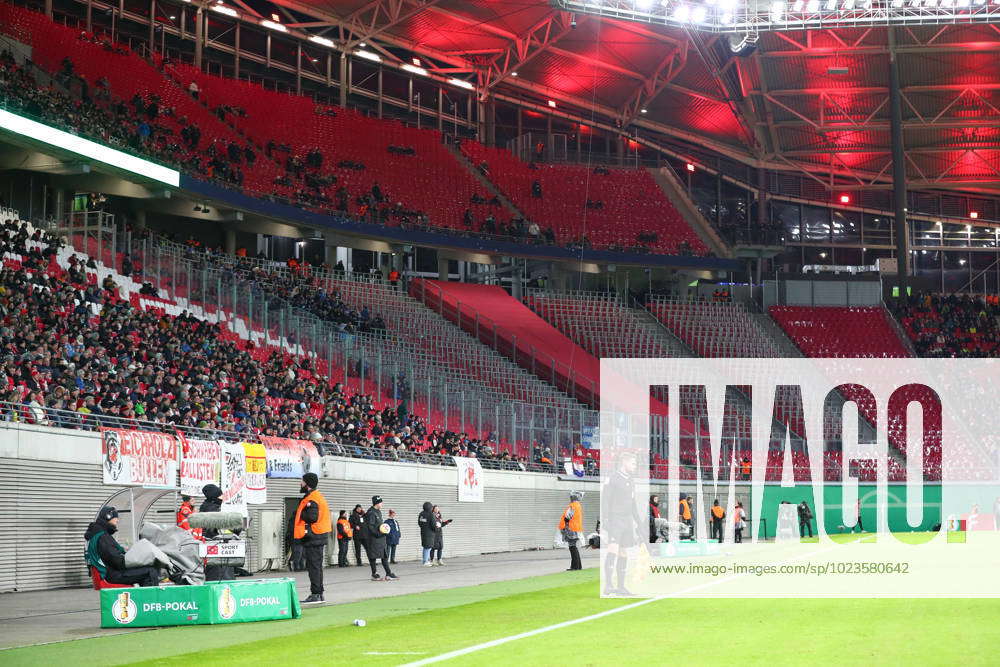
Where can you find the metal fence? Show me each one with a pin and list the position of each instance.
(68, 419)
(384, 364)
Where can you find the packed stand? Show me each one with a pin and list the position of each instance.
(951, 325)
(92, 358)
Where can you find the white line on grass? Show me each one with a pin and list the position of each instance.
(531, 633)
(524, 635)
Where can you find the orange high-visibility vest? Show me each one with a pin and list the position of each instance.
(718, 512)
(346, 526)
(745, 467)
(685, 510)
(322, 524)
(576, 522)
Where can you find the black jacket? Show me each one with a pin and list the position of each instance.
(108, 548)
(310, 515)
(428, 524)
(211, 505)
(804, 512)
(375, 541)
(357, 522)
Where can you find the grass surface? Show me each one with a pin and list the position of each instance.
(706, 631)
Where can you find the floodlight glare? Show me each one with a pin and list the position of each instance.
(755, 16)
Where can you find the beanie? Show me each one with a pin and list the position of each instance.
(311, 480)
(108, 513)
(376, 500)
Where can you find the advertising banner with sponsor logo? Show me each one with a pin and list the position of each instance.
(229, 602)
(290, 458)
(256, 480)
(471, 485)
(199, 464)
(139, 458)
(234, 477)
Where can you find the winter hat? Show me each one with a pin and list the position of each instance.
(211, 491)
(108, 513)
(575, 495)
(311, 480)
(376, 500)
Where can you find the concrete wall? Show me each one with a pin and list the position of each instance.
(51, 488)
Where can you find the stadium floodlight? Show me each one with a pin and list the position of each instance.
(368, 55)
(222, 9)
(461, 83)
(64, 141)
(321, 40)
(413, 69)
(753, 16)
(273, 25)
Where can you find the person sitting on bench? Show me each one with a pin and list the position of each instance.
(108, 557)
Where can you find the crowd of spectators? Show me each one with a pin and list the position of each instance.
(138, 126)
(951, 325)
(144, 125)
(78, 348)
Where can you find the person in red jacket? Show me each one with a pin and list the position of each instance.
(183, 512)
(654, 513)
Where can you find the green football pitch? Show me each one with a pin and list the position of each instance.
(425, 626)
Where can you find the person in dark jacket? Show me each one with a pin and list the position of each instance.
(805, 519)
(312, 529)
(654, 514)
(343, 539)
(297, 557)
(108, 557)
(213, 503)
(438, 536)
(392, 539)
(357, 521)
(427, 521)
(375, 539)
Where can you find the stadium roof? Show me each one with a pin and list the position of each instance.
(815, 101)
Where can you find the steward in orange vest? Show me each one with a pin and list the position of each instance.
(685, 509)
(344, 534)
(312, 528)
(718, 514)
(571, 525)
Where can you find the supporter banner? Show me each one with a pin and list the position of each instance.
(139, 458)
(590, 437)
(470, 480)
(199, 465)
(256, 473)
(290, 458)
(234, 478)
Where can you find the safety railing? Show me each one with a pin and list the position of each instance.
(90, 421)
(384, 364)
(505, 341)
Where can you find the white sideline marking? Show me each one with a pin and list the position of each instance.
(584, 619)
(392, 653)
(530, 633)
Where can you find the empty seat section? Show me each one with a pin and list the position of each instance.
(631, 203)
